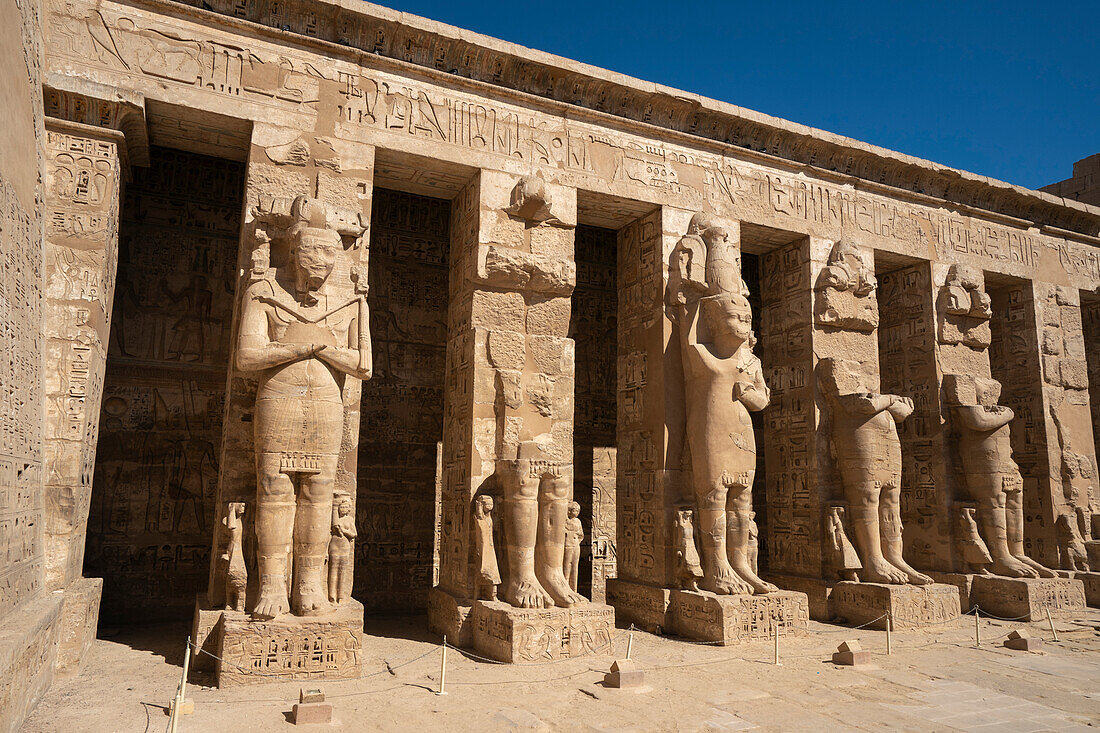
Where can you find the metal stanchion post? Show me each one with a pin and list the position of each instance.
(629, 643)
(1051, 622)
(181, 691)
(775, 634)
(977, 631)
(443, 668)
(889, 627)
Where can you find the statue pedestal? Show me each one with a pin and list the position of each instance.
(910, 606)
(1027, 599)
(645, 606)
(1092, 585)
(307, 648)
(529, 635)
(704, 616)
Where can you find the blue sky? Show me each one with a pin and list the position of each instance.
(1009, 89)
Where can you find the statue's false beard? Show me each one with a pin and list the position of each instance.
(307, 286)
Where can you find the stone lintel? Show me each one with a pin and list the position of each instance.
(909, 606)
(705, 616)
(531, 635)
(1027, 599)
(327, 647)
(93, 104)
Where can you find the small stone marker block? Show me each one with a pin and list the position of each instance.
(311, 708)
(851, 654)
(1022, 640)
(624, 673)
(187, 708)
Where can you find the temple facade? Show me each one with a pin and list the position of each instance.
(314, 309)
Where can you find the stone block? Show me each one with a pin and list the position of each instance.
(327, 647)
(312, 713)
(203, 637)
(29, 637)
(530, 635)
(79, 619)
(645, 606)
(816, 590)
(733, 619)
(624, 673)
(910, 606)
(450, 617)
(1027, 599)
(851, 654)
(1091, 582)
(1022, 640)
(962, 581)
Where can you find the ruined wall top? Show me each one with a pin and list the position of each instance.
(422, 42)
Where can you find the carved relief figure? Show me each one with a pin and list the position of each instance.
(574, 534)
(341, 550)
(992, 478)
(688, 569)
(231, 562)
(302, 339)
(975, 553)
(1071, 548)
(842, 557)
(723, 381)
(964, 309)
(486, 570)
(868, 455)
(537, 494)
(844, 291)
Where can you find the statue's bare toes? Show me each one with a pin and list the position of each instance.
(883, 572)
(919, 578)
(271, 605)
(763, 588)
(530, 595)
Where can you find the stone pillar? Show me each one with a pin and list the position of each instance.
(508, 404)
(335, 177)
(819, 302)
(83, 179)
(603, 520)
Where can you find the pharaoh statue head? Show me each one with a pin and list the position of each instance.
(842, 377)
(727, 314)
(483, 506)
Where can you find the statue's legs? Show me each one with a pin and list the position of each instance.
(521, 520)
(274, 528)
(554, 494)
(986, 490)
(718, 575)
(889, 508)
(862, 490)
(1014, 519)
(312, 531)
(572, 566)
(738, 521)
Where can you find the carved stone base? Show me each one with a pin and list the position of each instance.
(79, 619)
(645, 606)
(734, 619)
(1092, 585)
(963, 581)
(29, 637)
(816, 590)
(1027, 599)
(526, 635)
(450, 617)
(910, 606)
(288, 648)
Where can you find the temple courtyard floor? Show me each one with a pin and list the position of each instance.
(935, 680)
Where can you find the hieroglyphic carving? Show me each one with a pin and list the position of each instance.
(156, 467)
(402, 405)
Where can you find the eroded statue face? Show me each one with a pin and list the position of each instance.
(314, 252)
(574, 510)
(728, 315)
(988, 391)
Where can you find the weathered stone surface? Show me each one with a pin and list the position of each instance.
(908, 606)
(79, 619)
(646, 606)
(530, 635)
(732, 619)
(29, 640)
(289, 647)
(1027, 599)
(1092, 585)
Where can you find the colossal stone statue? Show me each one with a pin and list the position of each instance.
(992, 478)
(302, 341)
(723, 381)
(486, 569)
(868, 458)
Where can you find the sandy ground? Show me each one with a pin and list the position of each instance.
(934, 680)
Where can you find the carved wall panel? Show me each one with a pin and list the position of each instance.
(1090, 317)
(402, 405)
(157, 459)
(593, 328)
(81, 256)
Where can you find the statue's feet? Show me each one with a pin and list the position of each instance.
(1042, 570)
(725, 582)
(559, 589)
(880, 571)
(310, 601)
(913, 577)
(527, 593)
(1013, 567)
(272, 602)
(759, 586)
